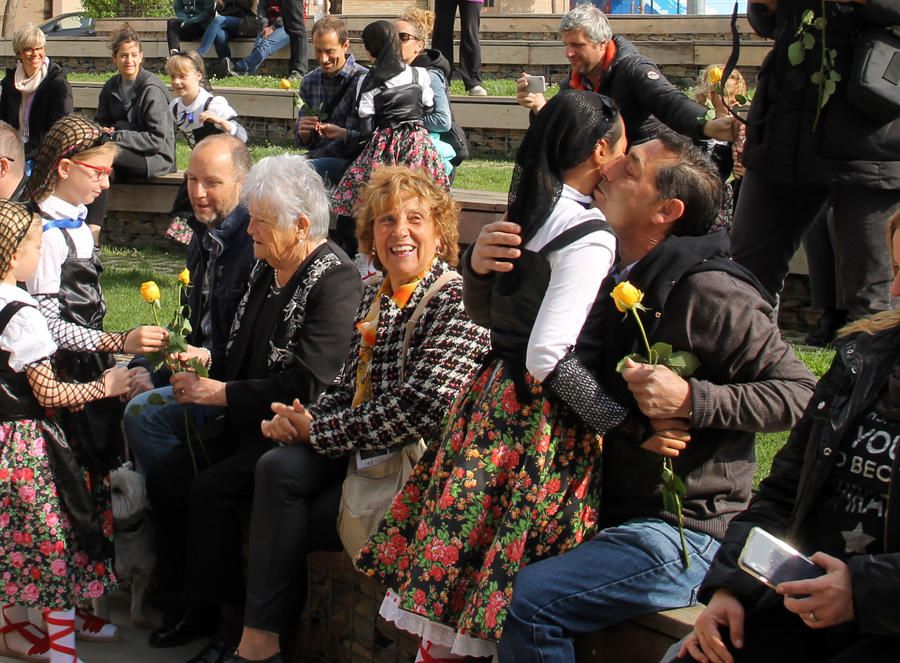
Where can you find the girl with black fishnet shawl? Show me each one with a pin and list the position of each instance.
(51, 537)
(71, 169)
(515, 478)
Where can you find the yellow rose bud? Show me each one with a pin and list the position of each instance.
(185, 276)
(626, 296)
(715, 75)
(285, 84)
(150, 292)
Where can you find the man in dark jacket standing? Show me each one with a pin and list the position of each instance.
(660, 201)
(796, 163)
(611, 65)
(219, 259)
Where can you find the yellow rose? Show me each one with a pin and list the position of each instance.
(626, 296)
(150, 292)
(715, 75)
(285, 84)
(185, 276)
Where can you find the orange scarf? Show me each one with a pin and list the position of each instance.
(368, 330)
(576, 82)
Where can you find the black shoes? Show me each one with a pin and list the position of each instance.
(214, 652)
(192, 625)
(826, 328)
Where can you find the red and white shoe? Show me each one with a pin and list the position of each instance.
(61, 635)
(21, 639)
(92, 628)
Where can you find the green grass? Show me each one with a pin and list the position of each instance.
(124, 271)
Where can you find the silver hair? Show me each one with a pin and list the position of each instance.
(287, 187)
(587, 18)
(28, 36)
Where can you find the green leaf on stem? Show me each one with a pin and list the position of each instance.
(684, 364)
(635, 357)
(662, 350)
(808, 40)
(807, 17)
(198, 367)
(796, 53)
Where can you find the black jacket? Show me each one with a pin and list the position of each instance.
(52, 100)
(847, 145)
(646, 98)
(307, 343)
(229, 280)
(148, 127)
(749, 381)
(791, 493)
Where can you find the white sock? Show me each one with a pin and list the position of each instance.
(436, 651)
(14, 640)
(61, 622)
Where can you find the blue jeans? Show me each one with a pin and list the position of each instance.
(262, 49)
(157, 429)
(622, 572)
(330, 168)
(219, 30)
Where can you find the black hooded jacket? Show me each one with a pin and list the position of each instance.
(52, 100)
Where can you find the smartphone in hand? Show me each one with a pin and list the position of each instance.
(536, 84)
(772, 561)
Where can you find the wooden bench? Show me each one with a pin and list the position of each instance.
(342, 623)
(139, 212)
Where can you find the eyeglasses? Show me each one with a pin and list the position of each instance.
(99, 171)
(28, 52)
(406, 36)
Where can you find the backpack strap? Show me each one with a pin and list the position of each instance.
(9, 311)
(573, 234)
(435, 288)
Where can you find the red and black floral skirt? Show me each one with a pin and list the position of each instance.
(509, 484)
(42, 566)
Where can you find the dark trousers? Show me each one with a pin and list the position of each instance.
(175, 32)
(469, 43)
(295, 505)
(292, 14)
(127, 166)
(825, 289)
(772, 218)
(775, 635)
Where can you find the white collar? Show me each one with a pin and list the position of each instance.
(197, 104)
(575, 194)
(57, 208)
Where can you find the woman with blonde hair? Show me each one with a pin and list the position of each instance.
(35, 92)
(831, 494)
(413, 28)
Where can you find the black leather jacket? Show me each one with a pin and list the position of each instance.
(791, 493)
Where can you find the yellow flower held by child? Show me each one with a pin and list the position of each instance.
(185, 276)
(150, 292)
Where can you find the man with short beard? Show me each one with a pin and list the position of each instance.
(611, 65)
(219, 258)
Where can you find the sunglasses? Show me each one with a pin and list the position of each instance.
(99, 171)
(406, 36)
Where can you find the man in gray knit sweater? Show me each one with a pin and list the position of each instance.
(660, 200)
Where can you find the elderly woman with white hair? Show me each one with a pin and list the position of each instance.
(289, 336)
(35, 92)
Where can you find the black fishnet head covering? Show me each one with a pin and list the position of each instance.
(67, 137)
(381, 40)
(15, 221)
(562, 136)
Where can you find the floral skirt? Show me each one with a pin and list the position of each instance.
(510, 484)
(401, 146)
(41, 565)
